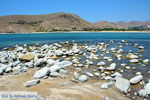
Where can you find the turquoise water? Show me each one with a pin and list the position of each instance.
(8, 40)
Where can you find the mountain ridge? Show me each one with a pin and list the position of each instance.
(60, 21)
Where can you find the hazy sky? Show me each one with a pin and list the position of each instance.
(90, 10)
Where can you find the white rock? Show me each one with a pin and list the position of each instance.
(76, 75)
(50, 62)
(132, 56)
(60, 65)
(146, 61)
(136, 79)
(63, 71)
(116, 74)
(89, 74)
(19, 48)
(83, 78)
(140, 47)
(55, 74)
(101, 64)
(2, 69)
(41, 73)
(8, 69)
(40, 62)
(122, 84)
(112, 67)
(147, 88)
(76, 51)
(32, 83)
(59, 53)
(134, 61)
(143, 93)
(106, 85)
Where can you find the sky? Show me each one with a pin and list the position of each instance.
(90, 10)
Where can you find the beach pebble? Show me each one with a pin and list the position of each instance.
(40, 62)
(89, 74)
(32, 83)
(41, 73)
(27, 57)
(134, 61)
(59, 53)
(83, 78)
(76, 75)
(106, 85)
(122, 84)
(111, 67)
(8, 69)
(140, 47)
(132, 56)
(50, 62)
(136, 79)
(101, 64)
(55, 74)
(116, 74)
(145, 60)
(63, 71)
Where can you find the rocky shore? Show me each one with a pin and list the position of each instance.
(85, 72)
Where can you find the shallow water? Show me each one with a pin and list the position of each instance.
(9, 40)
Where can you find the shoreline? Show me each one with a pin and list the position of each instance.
(83, 32)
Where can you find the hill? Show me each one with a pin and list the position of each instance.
(46, 23)
(59, 22)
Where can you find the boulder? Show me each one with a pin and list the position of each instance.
(122, 84)
(59, 53)
(143, 93)
(50, 62)
(147, 88)
(27, 57)
(40, 62)
(41, 73)
(136, 79)
(32, 83)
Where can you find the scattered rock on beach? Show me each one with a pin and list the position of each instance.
(27, 57)
(41, 73)
(32, 83)
(136, 79)
(122, 84)
(83, 78)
